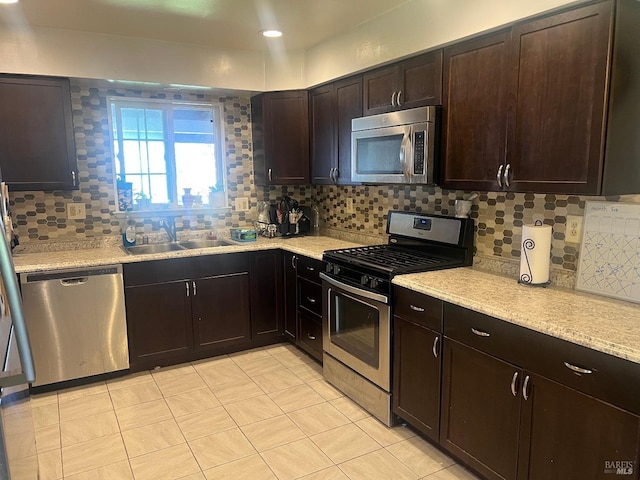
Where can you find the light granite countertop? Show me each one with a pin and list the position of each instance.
(606, 325)
(603, 324)
(90, 257)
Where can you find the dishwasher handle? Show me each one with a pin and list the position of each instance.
(70, 282)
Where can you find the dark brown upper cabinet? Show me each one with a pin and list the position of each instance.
(37, 148)
(331, 109)
(280, 128)
(524, 109)
(415, 82)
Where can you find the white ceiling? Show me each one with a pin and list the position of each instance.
(225, 24)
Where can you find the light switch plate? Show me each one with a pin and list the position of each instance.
(76, 211)
(242, 204)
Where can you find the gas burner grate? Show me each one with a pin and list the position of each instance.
(393, 258)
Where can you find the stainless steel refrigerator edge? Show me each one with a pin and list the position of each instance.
(16, 420)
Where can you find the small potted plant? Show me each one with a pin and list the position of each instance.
(143, 202)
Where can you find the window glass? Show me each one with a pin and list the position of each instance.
(168, 152)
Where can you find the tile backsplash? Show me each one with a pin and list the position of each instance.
(41, 216)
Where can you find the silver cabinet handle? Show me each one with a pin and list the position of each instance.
(195, 291)
(398, 98)
(311, 337)
(480, 333)
(270, 174)
(311, 269)
(294, 262)
(499, 176)
(187, 285)
(514, 388)
(435, 347)
(525, 388)
(331, 173)
(580, 370)
(73, 178)
(417, 309)
(393, 99)
(506, 174)
(311, 300)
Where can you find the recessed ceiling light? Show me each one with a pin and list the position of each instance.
(8, 1)
(271, 33)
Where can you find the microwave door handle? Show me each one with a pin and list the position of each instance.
(404, 151)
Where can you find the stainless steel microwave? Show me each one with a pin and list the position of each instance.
(397, 147)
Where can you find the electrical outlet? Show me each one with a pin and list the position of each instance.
(573, 231)
(242, 204)
(76, 211)
(350, 206)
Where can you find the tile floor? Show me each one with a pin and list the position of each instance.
(257, 415)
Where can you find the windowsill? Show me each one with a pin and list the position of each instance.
(166, 212)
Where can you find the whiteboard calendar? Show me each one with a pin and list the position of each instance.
(610, 252)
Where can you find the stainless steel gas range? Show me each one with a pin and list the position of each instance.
(358, 300)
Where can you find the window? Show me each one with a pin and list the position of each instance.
(170, 153)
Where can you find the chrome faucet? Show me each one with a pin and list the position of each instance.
(170, 227)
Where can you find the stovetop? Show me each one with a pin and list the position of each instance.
(418, 242)
(391, 259)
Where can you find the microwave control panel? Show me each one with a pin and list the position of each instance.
(418, 152)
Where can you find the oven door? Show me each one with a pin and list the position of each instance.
(357, 330)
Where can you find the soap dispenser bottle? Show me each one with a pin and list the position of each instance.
(129, 235)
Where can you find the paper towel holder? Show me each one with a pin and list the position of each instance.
(525, 278)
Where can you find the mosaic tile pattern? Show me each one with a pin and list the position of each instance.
(41, 216)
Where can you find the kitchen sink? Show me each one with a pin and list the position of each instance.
(204, 243)
(172, 247)
(154, 248)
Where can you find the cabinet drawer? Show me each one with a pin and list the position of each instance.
(554, 358)
(419, 308)
(309, 268)
(310, 296)
(310, 335)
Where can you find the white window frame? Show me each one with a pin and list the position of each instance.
(168, 105)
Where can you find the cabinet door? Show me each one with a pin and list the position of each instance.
(475, 112)
(348, 107)
(37, 148)
(378, 88)
(416, 376)
(310, 334)
(266, 296)
(322, 131)
(480, 413)
(285, 126)
(220, 311)
(290, 296)
(559, 84)
(421, 81)
(567, 434)
(158, 322)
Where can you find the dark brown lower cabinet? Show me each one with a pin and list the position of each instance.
(566, 434)
(480, 412)
(290, 296)
(182, 309)
(508, 423)
(158, 322)
(266, 295)
(220, 311)
(416, 376)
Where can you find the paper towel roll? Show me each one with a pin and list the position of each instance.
(535, 254)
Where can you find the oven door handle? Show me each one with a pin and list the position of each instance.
(355, 291)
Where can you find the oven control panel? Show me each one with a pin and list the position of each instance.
(356, 277)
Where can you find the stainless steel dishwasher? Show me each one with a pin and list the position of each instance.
(76, 322)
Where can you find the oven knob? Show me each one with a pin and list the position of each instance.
(336, 269)
(364, 280)
(373, 283)
(329, 268)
